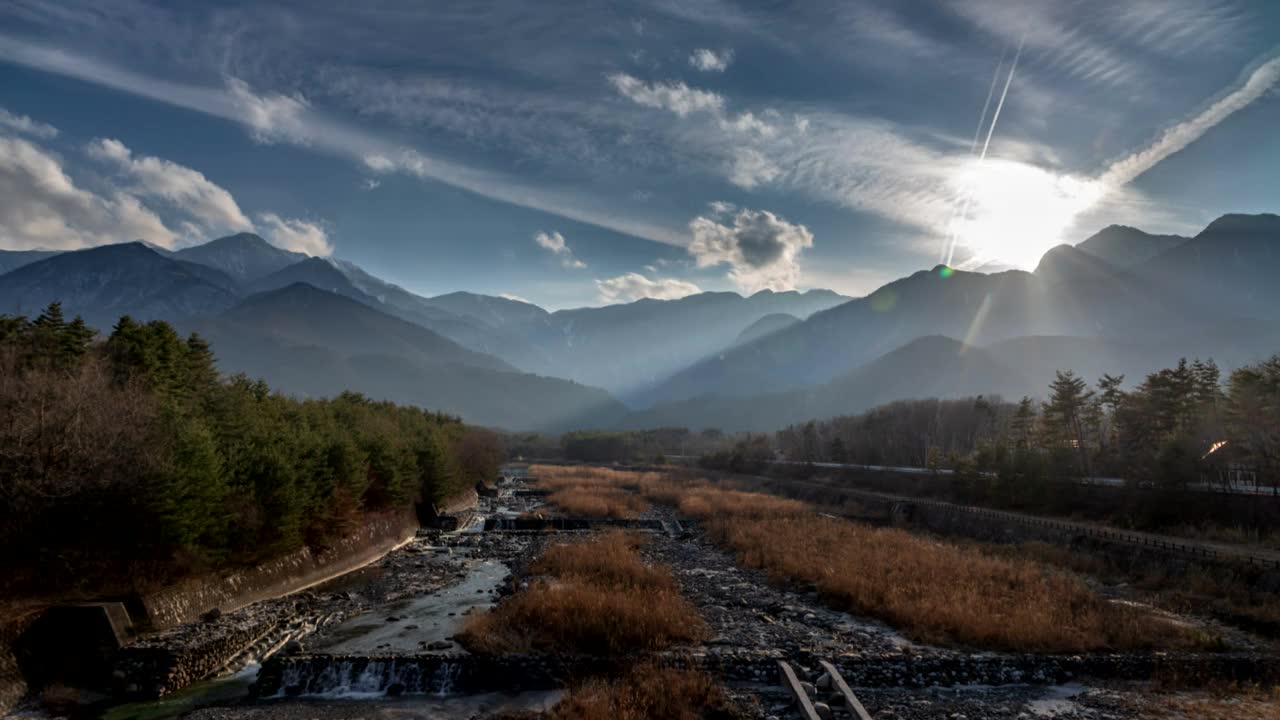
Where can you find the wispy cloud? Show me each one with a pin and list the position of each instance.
(677, 97)
(274, 117)
(708, 60)
(1103, 42)
(1262, 79)
(555, 244)
(632, 286)
(27, 126)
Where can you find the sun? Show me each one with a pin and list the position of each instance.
(1010, 212)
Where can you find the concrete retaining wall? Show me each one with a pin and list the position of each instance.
(298, 570)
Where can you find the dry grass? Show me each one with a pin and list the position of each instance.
(594, 492)
(936, 592)
(1232, 704)
(598, 598)
(649, 692)
(609, 560)
(933, 591)
(598, 502)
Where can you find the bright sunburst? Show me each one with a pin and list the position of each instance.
(1012, 212)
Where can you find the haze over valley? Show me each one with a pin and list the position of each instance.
(1121, 301)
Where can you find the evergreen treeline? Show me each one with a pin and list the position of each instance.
(1180, 426)
(132, 457)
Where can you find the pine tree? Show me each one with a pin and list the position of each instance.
(1022, 426)
(1065, 415)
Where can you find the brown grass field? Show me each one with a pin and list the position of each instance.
(593, 597)
(649, 692)
(933, 591)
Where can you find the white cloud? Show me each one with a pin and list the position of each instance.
(634, 286)
(676, 97)
(761, 249)
(271, 117)
(711, 61)
(296, 235)
(40, 206)
(188, 191)
(516, 298)
(751, 168)
(554, 243)
(285, 118)
(370, 183)
(27, 126)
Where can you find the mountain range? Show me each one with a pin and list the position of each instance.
(1121, 301)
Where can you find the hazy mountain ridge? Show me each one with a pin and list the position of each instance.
(767, 325)
(103, 283)
(709, 355)
(933, 366)
(14, 259)
(1124, 246)
(317, 343)
(1210, 296)
(243, 256)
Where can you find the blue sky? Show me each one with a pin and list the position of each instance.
(574, 154)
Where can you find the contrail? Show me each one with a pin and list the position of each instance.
(1174, 139)
(995, 117)
(986, 105)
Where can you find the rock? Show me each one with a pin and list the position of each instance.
(395, 690)
(410, 627)
(823, 710)
(292, 647)
(212, 616)
(439, 645)
(808, 689)
(824, 682)
(392, 618)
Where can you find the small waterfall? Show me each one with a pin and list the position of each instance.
(364, 678)
(443, 678)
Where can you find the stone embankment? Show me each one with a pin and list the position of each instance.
(189, 600)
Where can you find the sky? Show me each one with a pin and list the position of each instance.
(577, 154)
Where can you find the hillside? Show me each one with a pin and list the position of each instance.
(1212, 295)
(932, 366)
(317, 343)
(101, 284)
(1125, 247)
(244, 256)
(767, 325)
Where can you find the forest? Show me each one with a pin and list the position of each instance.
(1180, 426)
(130, 458)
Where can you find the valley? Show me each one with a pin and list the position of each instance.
(433, 629)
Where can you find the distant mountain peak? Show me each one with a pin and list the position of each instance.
(1126, 247)
(244, 256)
(1238, 223)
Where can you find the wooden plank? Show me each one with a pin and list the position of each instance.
(792, 683)
(850, 700)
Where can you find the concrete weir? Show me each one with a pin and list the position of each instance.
(425, 674)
